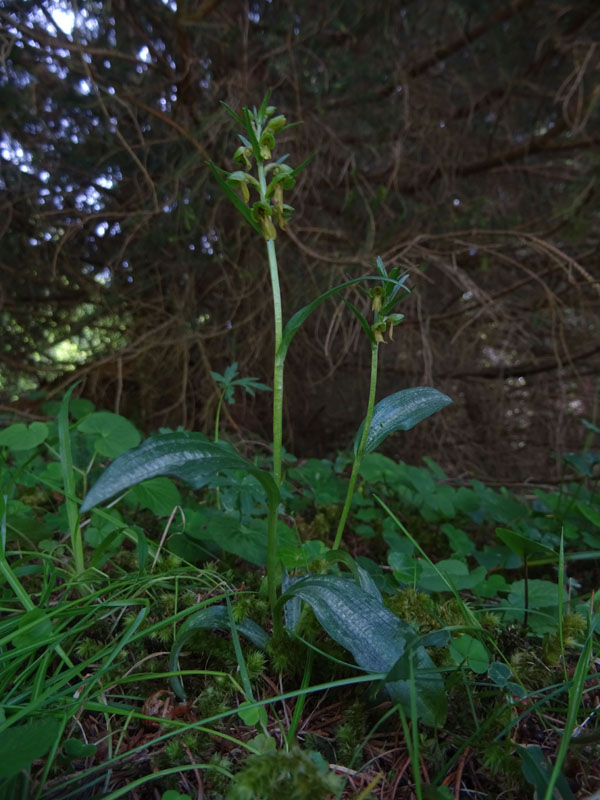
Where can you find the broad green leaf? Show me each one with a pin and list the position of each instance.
(468, 649)
(187, 456)
(75, 748)
(499, 673)
(22, 437)
(81, 407)
(449, 572)
(540, 594)
(115, 434)
(401, 412)
(245, 538)
(22, 520)
(591, 514)
(458, 540)
(21, 745)
(214, 618)
(294, 557)
(492, 586)
(251, 716)
(522, 545)
(375, 637)
(159, 495)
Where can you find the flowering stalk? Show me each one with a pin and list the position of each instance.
(361, 447)
(269, 181)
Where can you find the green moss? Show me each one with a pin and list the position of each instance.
(255, 663)
(573, 628)
(416, 608)
(295, 774)
(249, 605)
(286, 655)
(350, 734)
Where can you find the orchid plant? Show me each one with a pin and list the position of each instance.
(348, 605)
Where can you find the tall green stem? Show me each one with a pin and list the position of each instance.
(278, 360)
(361, 448)
(218, 416)
(278, 363)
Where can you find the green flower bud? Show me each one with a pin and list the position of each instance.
(276, 124)
(270, 110)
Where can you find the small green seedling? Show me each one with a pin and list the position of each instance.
(227, 383)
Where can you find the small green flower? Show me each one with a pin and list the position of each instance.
(266, 144)
(242, 180)
(262, 214)
(376, 297)
(378, 331)
(243, 155)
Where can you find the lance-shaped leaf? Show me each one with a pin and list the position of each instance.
(235, 200)
(214, 618)
(187, 456)
(376, 638)
(401, 412)
(295, 322)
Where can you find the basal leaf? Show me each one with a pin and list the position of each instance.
(401, 412)
(376, 638)
(187, 456)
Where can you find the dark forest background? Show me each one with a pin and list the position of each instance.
(456, 138)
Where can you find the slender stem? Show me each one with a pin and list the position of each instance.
(217, 423)
(218, 416)
(361, 447)
(278, 363)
